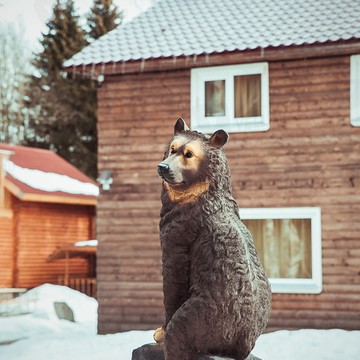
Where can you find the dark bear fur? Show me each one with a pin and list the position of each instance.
(217, 297)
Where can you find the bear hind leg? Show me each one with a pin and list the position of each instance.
(183, 329)
(178, 345)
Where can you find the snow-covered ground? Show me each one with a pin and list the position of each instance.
(42, 335)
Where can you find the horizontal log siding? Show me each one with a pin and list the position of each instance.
(136, 115)
(6, 248)
(309, 157)
(40, 229)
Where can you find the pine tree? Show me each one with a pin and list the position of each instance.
(61, 109)
(63, 39)
(104, 16)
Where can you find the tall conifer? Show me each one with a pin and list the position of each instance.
(104, 16)
(62, 110)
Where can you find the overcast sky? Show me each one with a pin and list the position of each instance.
(33, 14)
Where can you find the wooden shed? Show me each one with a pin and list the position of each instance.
(283, 78)
(45, 203)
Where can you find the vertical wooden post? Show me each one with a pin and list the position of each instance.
(67, 268)
(4, 155)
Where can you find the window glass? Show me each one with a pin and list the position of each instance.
(247, 95)
(233, 97)
(215, 98)
(288, 241)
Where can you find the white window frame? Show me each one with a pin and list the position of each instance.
(228, 122)
(355, 90)
(299, 285)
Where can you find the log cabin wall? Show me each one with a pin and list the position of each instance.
(136, 117)
(6, 248)
(39, 229)
(6, 230)
(309, 157)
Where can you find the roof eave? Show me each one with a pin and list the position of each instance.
(47, 198)
(291, 52)
(71, 251)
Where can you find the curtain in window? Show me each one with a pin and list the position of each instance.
(283, 245)
(247, 92)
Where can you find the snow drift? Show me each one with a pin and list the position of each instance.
(41, 335)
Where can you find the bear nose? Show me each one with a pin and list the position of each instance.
(163, 168)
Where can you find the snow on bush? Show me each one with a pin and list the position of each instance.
(83, 306)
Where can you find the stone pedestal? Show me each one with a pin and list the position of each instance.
(156, 352)
(149, 352)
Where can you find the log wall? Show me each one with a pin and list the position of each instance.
(6, 248)
(309, 157)
(39, 229)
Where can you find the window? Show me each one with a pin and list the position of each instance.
(288, 241)
(355, 90)
(234, 98)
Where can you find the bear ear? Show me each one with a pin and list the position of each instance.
(219, 138)
(180, 125)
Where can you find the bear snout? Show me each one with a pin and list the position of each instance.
(165, 172)
(163, 169)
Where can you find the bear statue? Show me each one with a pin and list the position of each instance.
(217, 297)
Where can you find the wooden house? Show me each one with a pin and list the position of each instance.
(283, 78)
(45, 203)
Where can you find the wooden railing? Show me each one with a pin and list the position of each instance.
(84, 285)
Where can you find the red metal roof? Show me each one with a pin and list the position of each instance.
(47, 162)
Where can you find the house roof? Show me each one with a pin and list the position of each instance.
(172, 28)
(33, 174)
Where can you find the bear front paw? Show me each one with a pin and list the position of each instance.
(159, 335)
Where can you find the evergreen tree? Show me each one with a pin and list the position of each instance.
(104, 16)
(61, 109)
(63, 39)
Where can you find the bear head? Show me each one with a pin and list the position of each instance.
(194, 163)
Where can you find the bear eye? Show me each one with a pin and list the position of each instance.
(172, 150)
(189, 154)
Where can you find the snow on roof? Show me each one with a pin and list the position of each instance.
(83, 249)
(87, 243)
(172, 28)
(41, 175)
(49, 181)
